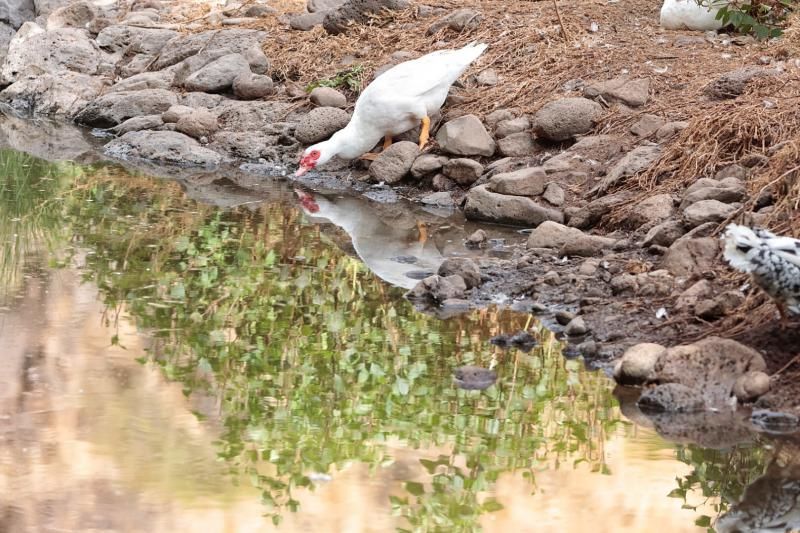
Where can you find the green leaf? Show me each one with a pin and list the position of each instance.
(414, 488)
(491, 506)
(703, 521)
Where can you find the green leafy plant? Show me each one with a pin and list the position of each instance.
(351, 79)
(761, 18)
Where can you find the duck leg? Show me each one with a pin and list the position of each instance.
(784, 315)
(372, 156)
(423, 232)
(425, 133)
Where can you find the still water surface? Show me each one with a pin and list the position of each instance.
(171, 366)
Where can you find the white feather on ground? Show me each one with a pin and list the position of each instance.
(771, 260)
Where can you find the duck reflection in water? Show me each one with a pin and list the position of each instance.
(769, 504)
(397, 252)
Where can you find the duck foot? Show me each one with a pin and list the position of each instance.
(369, 156)
(424, 135)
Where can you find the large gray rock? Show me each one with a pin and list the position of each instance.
(213, 44)
(551, 234)
(134, 39)
(590, 214)
(529, 181)
(707, 211)
(509, 126)
(665, 233)
(218, 75)
(327, 97)
(438, 288)
(720, 193)
(42, 93)
(516, 145)
(463, 171)
(75, 15)
(259, 64)
(483, 204)
(321, 123)
(635, 161)
(255, 115)
(146, 122)
(750, 386)
(6, 34)
(249, 86)
(394, 163)
(671, 398)
(652, 210)
(307, 21)
(427, 164)
(631, 92)
(145, 80)
(691, 256)
(16, 12)
(711, 366)
(162, 147)
(199, 123)
(52, 51)
(358, 12)
(111, 109)
(461, 266)
(465, 135)
(638, 363)
(45, 7)
(732, 84)
(563, 119)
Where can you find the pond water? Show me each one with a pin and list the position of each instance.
(172, 366)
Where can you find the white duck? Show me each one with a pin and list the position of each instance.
(397, 101)
(689, 15)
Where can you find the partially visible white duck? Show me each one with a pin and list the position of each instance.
(395, 254)
(398, 100)
(689, 15)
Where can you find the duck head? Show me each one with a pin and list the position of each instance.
(307, 201)
(317, 154)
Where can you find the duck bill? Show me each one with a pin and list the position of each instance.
(301, 170)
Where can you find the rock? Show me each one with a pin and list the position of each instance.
(358, 12)
(632, 93)
(529, 181)
(670, 129)
(394, 163)
(554, 194)
(638, 364)
(53, 51)
(576, 327)
(427, 164)
(584, 246)
(712, 366)
(734, 171)
(483, 204)
(458, 21)
(751, 386)
(6, 34)
(16, 12)
(495, 117)
(199, 123)
(75, 15)
(509, 126)
(516, 145)
(722, 305)
(564, 317)
(635, 161)
(664, 234)
(147, 122)
(255, 115)
(259, 11)
(654, 209)
(438, 288)
(218, 75)
(249, 86)
(463, 171)
(476, 239)
(590, 214)
(474, 377)
(439, 199)
(162, 147)
(697, 292)
(725, 195)
(313, 6)
(307, 21)
(62, 94)
(134, 40)
(114, 108)
(259, 64)
(707, 211)
(647, 125)
(320, 123)
(465, 136)
(328, 97)
(672, 398)
(487, 78)
(175, 113)
(145, 80)
(687, 257)
(461, 266)
(732, 84)
(562, 120)
(213, 44)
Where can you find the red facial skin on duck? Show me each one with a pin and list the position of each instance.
(308, 162)
(307, 201)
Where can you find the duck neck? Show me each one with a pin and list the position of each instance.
(354, 140)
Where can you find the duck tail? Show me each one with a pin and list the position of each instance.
(474, 50)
